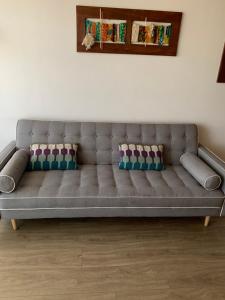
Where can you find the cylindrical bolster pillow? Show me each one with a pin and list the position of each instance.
(13, 171)
(201, 171)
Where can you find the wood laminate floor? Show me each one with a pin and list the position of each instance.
(108, 259)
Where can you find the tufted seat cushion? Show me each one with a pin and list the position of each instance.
(107, 186)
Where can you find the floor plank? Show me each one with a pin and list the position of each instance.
(111, 259)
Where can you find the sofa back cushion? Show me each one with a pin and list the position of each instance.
(98, 142)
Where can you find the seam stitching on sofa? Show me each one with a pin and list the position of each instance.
(187, 187)
(60, 183)
(111, 197)
(165, 180)
(132, 181)
(148, 180)
(114, 207)
(113, 176)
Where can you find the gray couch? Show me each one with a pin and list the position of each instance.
(99, 188)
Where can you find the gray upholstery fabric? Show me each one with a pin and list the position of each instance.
(214, 162)
(107, 186)
(98, 142)
(112, 212)
(201, 171)
(13, 171)
(7, 153)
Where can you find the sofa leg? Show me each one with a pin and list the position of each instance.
(14, 225)
(206, 222)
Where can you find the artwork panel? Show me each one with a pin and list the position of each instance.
(151, 33)
(106, 30)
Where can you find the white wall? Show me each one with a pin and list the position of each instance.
(42, 76)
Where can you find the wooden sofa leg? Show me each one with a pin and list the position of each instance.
(13, 222)
(206, 222)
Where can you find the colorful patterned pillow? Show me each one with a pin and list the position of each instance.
(141, 157)
(53, 157)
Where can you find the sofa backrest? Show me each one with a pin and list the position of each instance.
(98, 142)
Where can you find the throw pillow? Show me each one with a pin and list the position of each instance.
(141, 157)
(53, 157)
(13, 171)
(206, 176)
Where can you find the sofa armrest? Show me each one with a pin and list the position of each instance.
(214, 162)
(7, 153)
(13, 171)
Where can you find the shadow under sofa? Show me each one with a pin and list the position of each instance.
(99, 188)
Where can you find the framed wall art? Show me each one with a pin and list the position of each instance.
(127, 31)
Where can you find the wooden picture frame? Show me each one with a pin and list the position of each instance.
(221, 75)
(130, 16)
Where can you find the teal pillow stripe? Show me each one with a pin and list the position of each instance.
(53, 157)
(141, 157)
